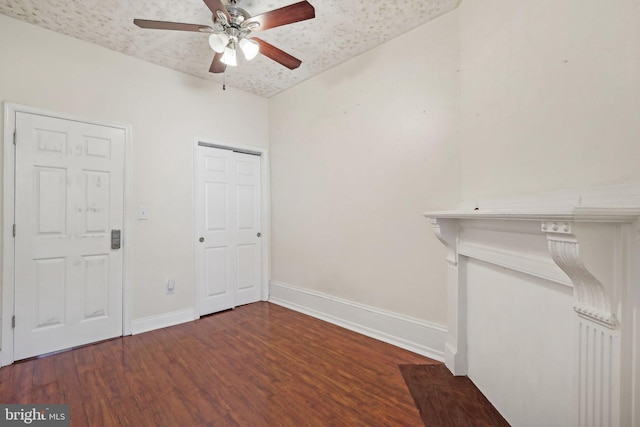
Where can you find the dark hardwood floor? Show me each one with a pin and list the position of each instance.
(257, 365)
(448, 401)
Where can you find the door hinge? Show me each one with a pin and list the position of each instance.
(13, 322)
(14, 230)
(15, 137)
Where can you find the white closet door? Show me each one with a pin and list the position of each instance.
(69, 197)
(228, 225)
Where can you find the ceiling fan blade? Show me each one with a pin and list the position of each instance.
(214, 5)
(280, 56)
(164, 25)
(217, 66)
(296, 12)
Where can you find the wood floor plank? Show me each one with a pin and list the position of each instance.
(16, 383)
(257, 365)
(445, 400)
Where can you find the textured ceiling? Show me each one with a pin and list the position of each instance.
(341, 30)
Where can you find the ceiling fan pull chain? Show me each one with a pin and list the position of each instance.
(224, 80)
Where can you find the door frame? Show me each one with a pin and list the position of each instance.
(265, 218)
(8, 242)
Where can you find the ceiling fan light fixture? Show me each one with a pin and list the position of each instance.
(218, 42)
(229, 55)
(250, 48)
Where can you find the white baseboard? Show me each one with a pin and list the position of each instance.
(415, 335)
(147, 324)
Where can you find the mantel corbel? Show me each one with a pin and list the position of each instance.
(592, 297)
(446, 230)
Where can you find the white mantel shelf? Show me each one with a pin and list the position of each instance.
(577, 214)
(592, 249)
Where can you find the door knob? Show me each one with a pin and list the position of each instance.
(201, 239)
(259, 234)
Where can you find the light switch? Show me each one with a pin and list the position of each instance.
(143, 213)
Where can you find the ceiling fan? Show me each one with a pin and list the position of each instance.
(231, 29)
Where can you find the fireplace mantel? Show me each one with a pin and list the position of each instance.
(592, 252)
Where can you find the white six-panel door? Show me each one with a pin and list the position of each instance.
(228, 229)
(69, 196)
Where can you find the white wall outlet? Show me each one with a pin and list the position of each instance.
(143, 213)
(171, 286)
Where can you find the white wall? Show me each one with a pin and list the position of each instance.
(358, 154)
(166, 110)
(550, 95)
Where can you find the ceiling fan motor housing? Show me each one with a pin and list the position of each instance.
(238, 15)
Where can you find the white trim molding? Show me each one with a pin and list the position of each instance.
(164, 320)
(412, 334)
(593, 248)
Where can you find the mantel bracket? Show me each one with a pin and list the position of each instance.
(591, 298)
